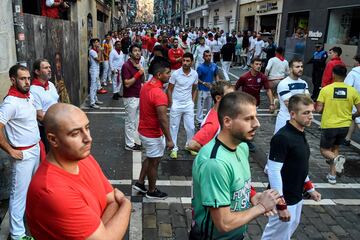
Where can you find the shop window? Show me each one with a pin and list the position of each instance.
(343, 26)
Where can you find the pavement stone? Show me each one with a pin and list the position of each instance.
(163, 216)
(165, 230)
(149, 221)
(148, 208)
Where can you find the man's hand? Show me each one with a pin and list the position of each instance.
(284, 215)
(315, 195)
(271, 108)
(169, 144)
(65, 5)
(268, 199)
(119, 196)
(255, 200)
(17, 154)
(206, 84)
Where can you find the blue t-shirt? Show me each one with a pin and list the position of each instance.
(206, 73)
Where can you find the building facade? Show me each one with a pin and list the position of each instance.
(222, 14)
(198, 14)
(330, 22)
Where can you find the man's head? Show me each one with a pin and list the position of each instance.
(202, 41)
(335, 52)
(357, 60)
(256, 64)
(187, 60)
(339, 73)
(107, 38)
(301, 108)
(228, 39)
(258, 37)
(158, 51)
(220, 89)
(20, 78)
(280, 51)
(237, 116)
(68, 132)
(207, 56)
(42, 69)
(270, 40)
(175, 43)
(162, 71)
(135, 52)
(94, 43)
(296, 67)
(118, 45)
(318, 46)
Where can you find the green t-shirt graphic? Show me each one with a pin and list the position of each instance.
(221, 177)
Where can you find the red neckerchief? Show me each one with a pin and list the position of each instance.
(13, 91)
(37, 82)
(96, 50)
(280, 56)
(118, 51)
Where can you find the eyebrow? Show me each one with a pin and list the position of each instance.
(79, 128)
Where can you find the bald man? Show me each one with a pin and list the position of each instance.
(69, 197)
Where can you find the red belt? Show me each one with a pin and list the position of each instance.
(24, 148)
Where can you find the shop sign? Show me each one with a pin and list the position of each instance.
(266, 7)
(315, 35)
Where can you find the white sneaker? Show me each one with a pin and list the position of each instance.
(94, 106)
(339, 161)
(99, 103)
(331, 179)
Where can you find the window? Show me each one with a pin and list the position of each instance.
(344, 27)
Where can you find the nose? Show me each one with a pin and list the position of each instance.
(87, 137)
(256, 123)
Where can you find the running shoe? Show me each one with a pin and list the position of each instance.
(94, 106)
(99, 102)
(173, 154)
(102, 91)
(339, 161)
(193, 153)
(26, 238)
(157, 194)
(134, 148)
(331, 179)
(139, 187)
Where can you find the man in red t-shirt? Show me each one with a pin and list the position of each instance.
(210, 125)
(175, 55)
(154, 128)
(253, 81)
(69, 197)
(52, 8)
(334, 54)
(151, 42)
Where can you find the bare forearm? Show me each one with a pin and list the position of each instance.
(118, 224)
(164, 125)
(4, 145)
(129, 82)
(270, 96)
(109, 212)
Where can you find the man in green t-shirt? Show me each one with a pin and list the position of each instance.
(222, 192)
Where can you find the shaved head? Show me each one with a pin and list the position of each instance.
(59, 113)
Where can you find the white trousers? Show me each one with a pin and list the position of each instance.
(106, 72)
(279, 230)
(131, 121)
(94, 85)
(22, 172)
(204, 101)
(226, 69)
(116, 86)
(280, 122)
(186, 111)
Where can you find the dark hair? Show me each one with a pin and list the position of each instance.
(134, 46)
(158, 48)
(14, 70)
(175, 39)
(188, 55)
(231, 105)
(295, 59)
(340, 70)
(218, 89)
(160, 66)
(206, 51)
(210, 34)
(228, 39)
(255, 60)
(299, 98)
(117, 42)
(337, 50)
(184, 37)
(357, 58)
(280, 50)
(36, 65)
(93, 40)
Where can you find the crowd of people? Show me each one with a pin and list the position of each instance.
(63, 190)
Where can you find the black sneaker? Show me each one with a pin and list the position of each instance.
(134, 148)
(157, 194)
(115, 96)
(347, 142)
(139, 187)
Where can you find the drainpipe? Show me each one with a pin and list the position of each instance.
(19, 29)
(237, 13)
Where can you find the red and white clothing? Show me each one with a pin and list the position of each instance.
(173, 54)
(327, 75)
(48, 10)
(116, 61)
(18, 114)
(210, 127)
(61, 205)
(45, 95)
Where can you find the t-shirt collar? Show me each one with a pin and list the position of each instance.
(156, 82)
(294, 129)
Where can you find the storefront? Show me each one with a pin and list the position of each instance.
(247, 15)
(324, 21)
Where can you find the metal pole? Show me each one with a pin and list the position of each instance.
(19, 29)
(237, 13)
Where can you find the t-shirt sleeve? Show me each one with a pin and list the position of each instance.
(159, 98)
(206, 133)
(125, 72)
(214, 182)
(283, 91)
(196, 78)
(269, 65)
(7, 112)
(356, 97)
(278, 148)
(239, 82)
(37, 99)
(93, 54)
(172, 79)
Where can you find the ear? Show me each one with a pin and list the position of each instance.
(218, 98)
(13, 81)
(52, 139)
(227, 122)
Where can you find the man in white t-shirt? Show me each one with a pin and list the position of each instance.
(21, 142)
(94, 72)
(251, 50)
(199, 52)
(258, 46)
(289, 87)
(181, 94)
(44, 93)
(116, 60)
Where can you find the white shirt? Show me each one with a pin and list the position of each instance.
(251, 43)
(183, 85)
(258, 45)
(215, 46)
(199, 53)
(19, 117)
(94, 65)
(116, 60)
(43, 99)
(287, 88)
(277, 68)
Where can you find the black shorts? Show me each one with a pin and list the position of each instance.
(331, 137)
